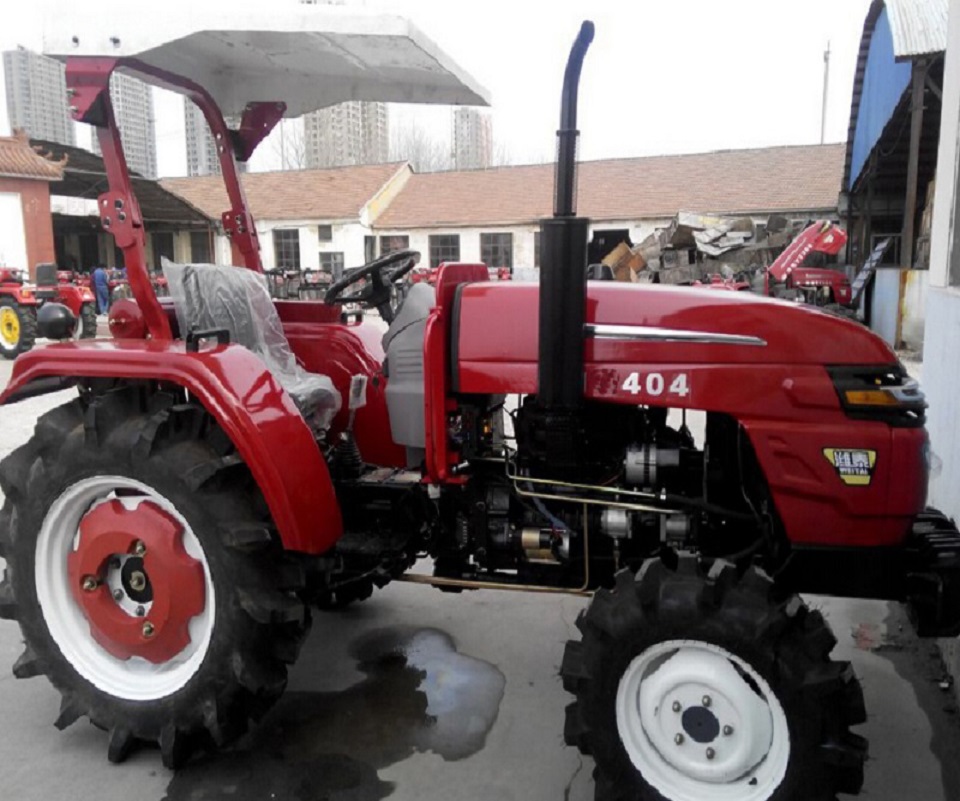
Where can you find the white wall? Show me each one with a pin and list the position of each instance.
(13, 242)
(347, 239)
(942, 346)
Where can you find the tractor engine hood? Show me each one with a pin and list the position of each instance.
(495, 332)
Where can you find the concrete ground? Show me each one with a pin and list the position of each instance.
(474, 713)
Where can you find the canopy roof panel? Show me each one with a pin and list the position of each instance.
(308, 57)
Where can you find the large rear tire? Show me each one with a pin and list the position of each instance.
(88, 321)
(18, 327)
(144, 574)
(706, 686)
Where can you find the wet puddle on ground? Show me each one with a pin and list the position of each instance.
(419, 694)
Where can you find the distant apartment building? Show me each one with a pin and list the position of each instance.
(202, 156)
(348, 134)
(472, 139)
(37, 96)
(133, 108)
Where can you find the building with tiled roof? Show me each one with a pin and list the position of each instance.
(345, 216)
(26, 232)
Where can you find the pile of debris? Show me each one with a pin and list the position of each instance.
(695, 247)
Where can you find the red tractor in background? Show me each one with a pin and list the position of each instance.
(232, 459)
(20, 301)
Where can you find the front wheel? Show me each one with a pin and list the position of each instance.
(18, 327)
(144, 575)
(703, 685)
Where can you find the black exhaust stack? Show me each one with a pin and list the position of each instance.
(563, 258)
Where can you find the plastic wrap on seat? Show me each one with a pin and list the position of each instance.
(208, 297)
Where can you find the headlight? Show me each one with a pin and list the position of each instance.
(880, 393)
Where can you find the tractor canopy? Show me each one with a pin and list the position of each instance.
(307, 57)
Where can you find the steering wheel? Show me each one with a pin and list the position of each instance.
(384, 273)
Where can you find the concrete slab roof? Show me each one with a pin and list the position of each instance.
(308, 56)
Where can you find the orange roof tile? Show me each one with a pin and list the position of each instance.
(781, 179)
(19, 160)
(331, 194)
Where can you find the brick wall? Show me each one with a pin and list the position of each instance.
(37, 221)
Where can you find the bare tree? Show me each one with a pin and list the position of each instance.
(290, 145)
(501, 156)
(413, 143)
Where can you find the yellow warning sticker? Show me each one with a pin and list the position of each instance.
(853, 465)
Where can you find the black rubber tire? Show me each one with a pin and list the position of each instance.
(259, 622)
(27, 315)
(88, 321)
(780, 638)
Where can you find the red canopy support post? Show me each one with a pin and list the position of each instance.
(88, 86)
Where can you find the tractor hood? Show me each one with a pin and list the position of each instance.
(495, 332)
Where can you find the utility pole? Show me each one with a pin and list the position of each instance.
(826, 86)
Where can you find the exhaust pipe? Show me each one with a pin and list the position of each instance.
(563, 281)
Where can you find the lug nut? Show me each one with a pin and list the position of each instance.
(114, 563)
(90, 583)
(727, 731)
(711, 753)
(148, 629)
(707, 700)
(118, 595)
(138, 581)
(139, 548)
(678, 739)
(677, 706)
(141, 611)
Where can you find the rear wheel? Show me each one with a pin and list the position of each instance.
(88, 321)
(703, 686)
(144, 576)
(18, 327)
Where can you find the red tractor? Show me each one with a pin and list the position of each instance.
(18, 313)
(231, 459)
(20, 302)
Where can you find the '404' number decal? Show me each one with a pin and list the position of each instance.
(656, 384)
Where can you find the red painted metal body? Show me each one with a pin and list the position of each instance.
(241, 394)
(780, 392)
(818, 237)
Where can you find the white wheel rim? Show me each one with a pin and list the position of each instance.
(695, 728)
(134, 679)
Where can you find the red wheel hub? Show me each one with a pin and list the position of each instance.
(111, 531)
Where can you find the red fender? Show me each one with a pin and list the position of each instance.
(73, 297)
(23, 295)
(237, 389)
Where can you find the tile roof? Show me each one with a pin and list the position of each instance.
(797, 178)
(332, 194)
(19, 160)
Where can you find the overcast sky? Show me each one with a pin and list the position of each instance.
(661, 77)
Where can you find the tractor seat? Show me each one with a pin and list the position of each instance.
(207, 298)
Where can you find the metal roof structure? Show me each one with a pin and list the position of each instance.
(919, 27)
(895, 32)
(83, 176)
(307, 56)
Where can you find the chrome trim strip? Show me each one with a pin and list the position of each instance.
(644, 333)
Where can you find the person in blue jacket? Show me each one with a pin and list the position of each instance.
(102, 290)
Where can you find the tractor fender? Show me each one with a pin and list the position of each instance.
(237, 389)
(23, 295)
(73, 297)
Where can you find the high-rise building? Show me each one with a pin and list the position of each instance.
(133, 109)
(472, 139)
(202, 156)
(37, 96)
(347, 134)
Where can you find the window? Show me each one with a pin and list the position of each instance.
(200, 247)
(286, 248)
(325, 233)
(444, 247)
(391, 244)
(496, 250)
(369, 249)
(536, 249)
(333, 264)
(162, 246)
